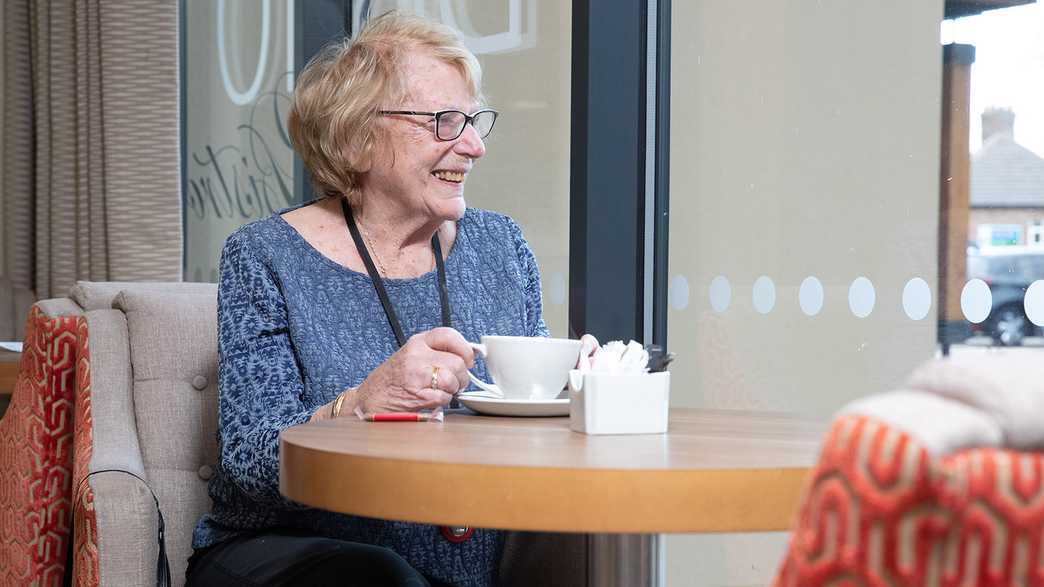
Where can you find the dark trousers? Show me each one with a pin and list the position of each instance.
(287, 558)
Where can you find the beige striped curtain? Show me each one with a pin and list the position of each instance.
(91, 156)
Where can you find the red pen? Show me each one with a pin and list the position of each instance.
(398, 417)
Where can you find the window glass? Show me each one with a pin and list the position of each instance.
(804, 201)
(524, 48)
(237, 85)
(1005, 192)
(803, 263)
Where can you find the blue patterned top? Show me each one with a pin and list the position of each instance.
(296, 328)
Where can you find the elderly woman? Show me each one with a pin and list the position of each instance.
(361, 302)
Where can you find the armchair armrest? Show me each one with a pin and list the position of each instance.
(125, 526)
(116, 517)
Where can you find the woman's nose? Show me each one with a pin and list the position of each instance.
(470, 144)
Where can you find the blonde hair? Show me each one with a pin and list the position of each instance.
(332, 120)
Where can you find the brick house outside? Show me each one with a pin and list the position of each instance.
(1007, 187)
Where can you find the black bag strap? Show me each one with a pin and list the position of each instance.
(162, 564)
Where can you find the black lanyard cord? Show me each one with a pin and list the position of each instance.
(440, 269)
(378, 283)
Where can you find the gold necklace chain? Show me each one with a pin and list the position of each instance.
(373, 251)
(376, 257)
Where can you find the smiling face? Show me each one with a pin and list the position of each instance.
(411, 168)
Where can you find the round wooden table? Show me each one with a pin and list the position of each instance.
(714, 471)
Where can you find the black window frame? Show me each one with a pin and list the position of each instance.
(621, 69)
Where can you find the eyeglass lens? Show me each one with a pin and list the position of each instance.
(451, 124)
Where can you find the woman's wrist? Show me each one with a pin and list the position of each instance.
(335, 407)
(342, 404)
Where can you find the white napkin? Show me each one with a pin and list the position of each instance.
(617, 358)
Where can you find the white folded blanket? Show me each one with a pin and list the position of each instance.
(970, 401)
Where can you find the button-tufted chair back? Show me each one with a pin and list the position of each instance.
(146, 413)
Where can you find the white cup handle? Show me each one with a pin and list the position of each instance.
(485, 386)
(489, 387)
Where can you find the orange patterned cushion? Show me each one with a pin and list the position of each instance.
(879, 510)
(36, 455)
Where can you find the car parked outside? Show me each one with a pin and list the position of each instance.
(1008, 271)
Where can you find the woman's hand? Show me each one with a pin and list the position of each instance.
(424, 374)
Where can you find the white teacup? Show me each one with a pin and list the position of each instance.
(526, 367)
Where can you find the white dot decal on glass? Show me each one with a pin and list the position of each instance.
(764, 295)
(976, 301)
(559, 289)
(810, 296)
(861, 297)
(720, 293)
(917, 298)
(1034, 302)
(679, 292)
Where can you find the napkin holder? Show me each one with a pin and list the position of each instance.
(603, 403)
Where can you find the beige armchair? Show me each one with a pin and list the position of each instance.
(37, 432)
(146, 424)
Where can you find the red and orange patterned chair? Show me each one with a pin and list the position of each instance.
(928, 495)
(36, 450)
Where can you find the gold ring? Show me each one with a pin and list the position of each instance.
(434, 377)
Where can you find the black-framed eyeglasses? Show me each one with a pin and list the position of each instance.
(449, 124)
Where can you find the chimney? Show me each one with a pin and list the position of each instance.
(998, 122)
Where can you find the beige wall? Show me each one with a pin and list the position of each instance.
(805, 142)
(525, 173)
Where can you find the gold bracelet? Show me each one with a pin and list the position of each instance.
(336, 409)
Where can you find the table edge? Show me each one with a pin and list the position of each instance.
(555, 499)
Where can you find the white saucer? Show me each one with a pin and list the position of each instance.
(484, 404)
